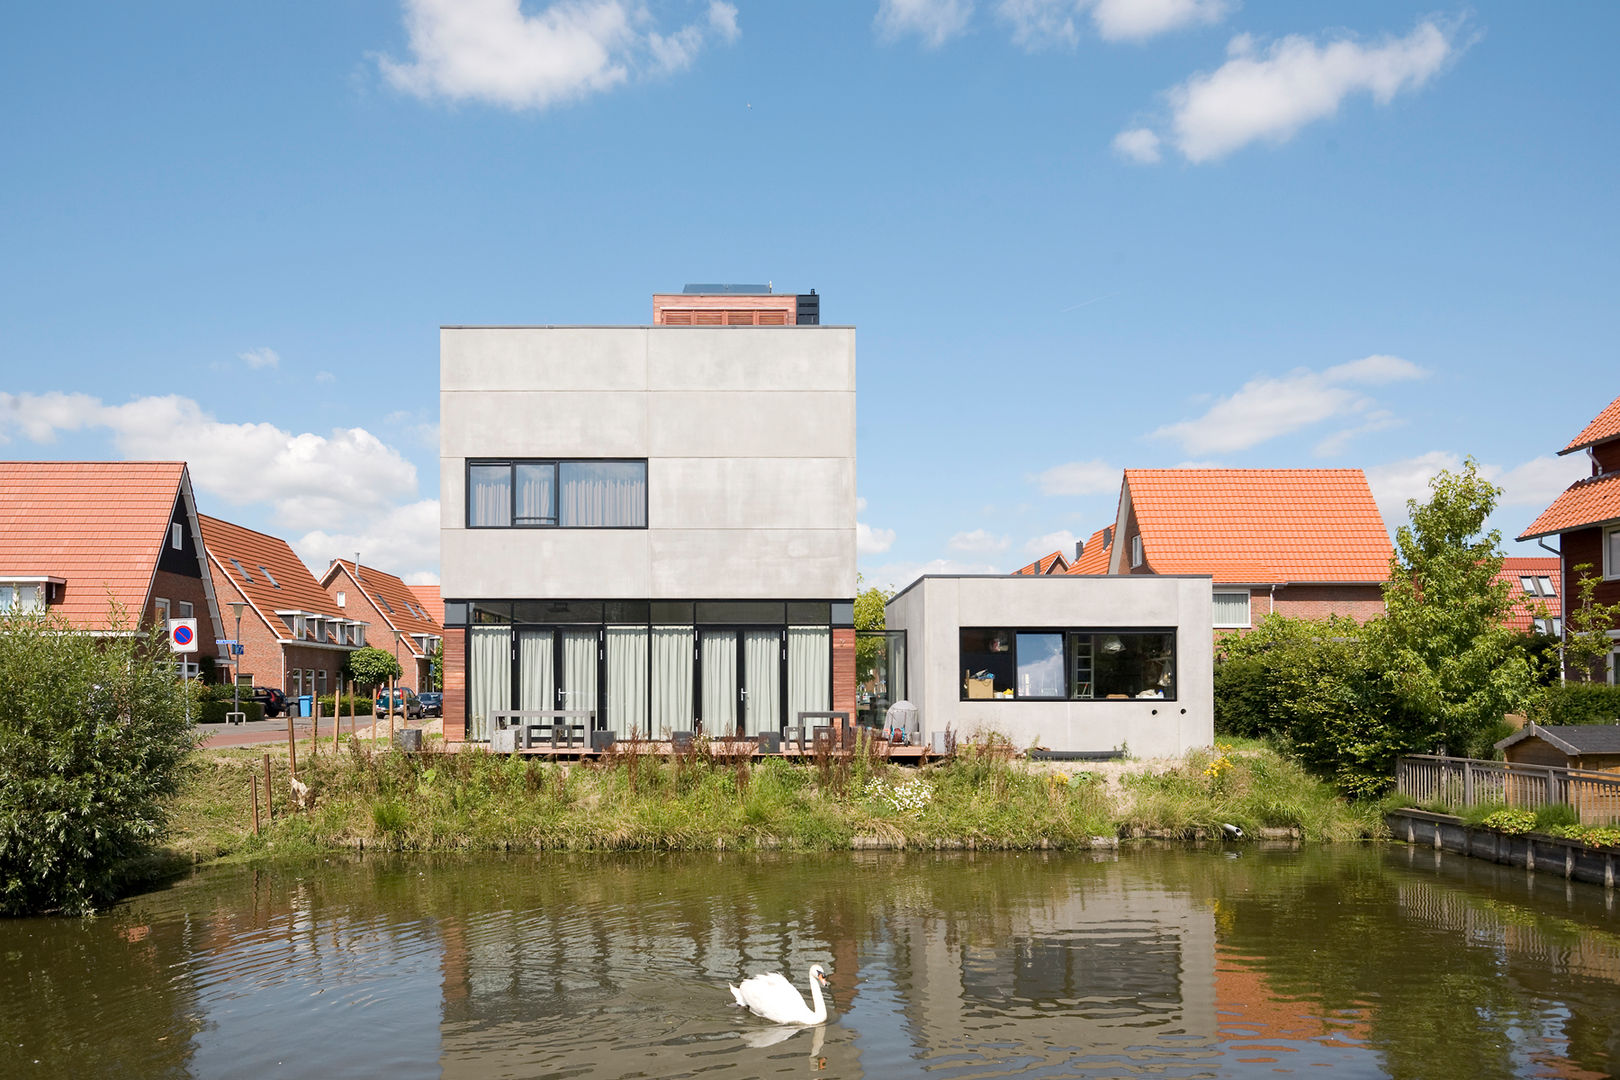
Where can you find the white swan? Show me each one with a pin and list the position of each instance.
(776, 999)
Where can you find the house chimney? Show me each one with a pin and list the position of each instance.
(1079, 549)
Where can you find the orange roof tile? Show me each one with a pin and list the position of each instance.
(100, 525)
(1260, 526)
(1094, 555)
(394, 601)
(1602, 429)
(427, 596)
(1592, 501)
(1054, 563)
(264, 569)
(1515, 568)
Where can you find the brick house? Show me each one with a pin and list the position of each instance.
(81, 538)
(1534, 592)
(399, 622)
(1054, 563)
(1302, 542)
(1091, 557)
(429, 600)
(293, 636)
(1586, 518)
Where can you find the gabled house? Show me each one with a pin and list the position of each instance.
(1054, 563)
(1305, 542)
(399, 622)
(293, 636)
(429, 600)
(1092, 556)
(1533, 590)
(80, 538)
(1586, 518)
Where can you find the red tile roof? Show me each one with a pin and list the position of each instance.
(1054, 563)
(1592, 501)
(1094, 556)
(100, 525)
(1260, 526)
(1602, 429)
(428, 597)
(1523, 603)
(288, 585)
(392, 598)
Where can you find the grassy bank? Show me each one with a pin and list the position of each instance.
(478, 801)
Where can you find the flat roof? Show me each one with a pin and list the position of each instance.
(633, 326)
(1047, 577)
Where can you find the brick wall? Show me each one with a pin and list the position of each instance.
(1360, 602)
(455, 684)
(177, 587)
(261, 650)
(843, 671)
(1608, 456)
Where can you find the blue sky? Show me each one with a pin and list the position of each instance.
(1075, 236)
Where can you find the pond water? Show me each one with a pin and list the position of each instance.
(1366, 960)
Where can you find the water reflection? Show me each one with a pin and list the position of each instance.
(1165, 963)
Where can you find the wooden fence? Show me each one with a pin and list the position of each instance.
(1425, 778)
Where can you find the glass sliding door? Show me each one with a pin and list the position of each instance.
(627, 680)
(489, 677)
(673, 649)
(718, 653)
(537, 675)
(809, 664)
(762, 680)
(578, 670)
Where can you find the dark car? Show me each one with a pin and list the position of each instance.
(273, 700)
(432, 703)
(405, 704)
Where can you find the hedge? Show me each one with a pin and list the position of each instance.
(213, 712)
(360, 704)
(1583, 703)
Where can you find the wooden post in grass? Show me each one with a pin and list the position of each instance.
(315, 730)
(269, 801)
(292, 746)
(253, 782)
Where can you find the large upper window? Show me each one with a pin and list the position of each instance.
(557, 494)
(1611, 553)
(1085, 665)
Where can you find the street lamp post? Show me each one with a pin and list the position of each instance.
(236, 659)
(391, 693)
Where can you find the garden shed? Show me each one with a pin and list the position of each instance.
(1592, 747)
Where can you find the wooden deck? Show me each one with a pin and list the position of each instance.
(718, 748)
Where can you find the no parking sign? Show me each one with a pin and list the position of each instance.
(182, 635)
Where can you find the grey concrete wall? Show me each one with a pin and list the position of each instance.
(934, 609)
(1533, 851)
(749, 436)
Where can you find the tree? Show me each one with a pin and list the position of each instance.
(372, 667)
(1587, 623)
(869, 651)
(93, 744)
(436, 667)
(1447, 658)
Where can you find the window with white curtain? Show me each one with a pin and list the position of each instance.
(762, 653)
(719, 655)
(489, 496)
(537, 685)
(809, 661)
(627, 680)
(489, 677)
(579, 669)
(557, 494)
(595, 494)
(1231, 609)
(672, 705)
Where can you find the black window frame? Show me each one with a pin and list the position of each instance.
(555, 522)
(1069, 634)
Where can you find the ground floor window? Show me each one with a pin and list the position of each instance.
(652, 668)
(1065, 664)
(880, 674)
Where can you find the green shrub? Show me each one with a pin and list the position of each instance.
(1243, 698)
(1581, 703)
(213, 712)
(93, 741)
(1511, 821)
(1592, 835)
(360, 703)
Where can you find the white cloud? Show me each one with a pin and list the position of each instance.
(1537, 482)
(1062, 540)
(1533, 484)
(860, 504)
(493, 52)
(307, 479)
(1267, 406)
(260, 358)
(978, 541)
(870, 541)
(421, 577)
(898, 575)
(1080, 478)
(1038, 24)
(325, 377)
(403, 540)
(1140, 145)
(1138, 20)
(1395, 482)
(933, 21)
(1270, 93)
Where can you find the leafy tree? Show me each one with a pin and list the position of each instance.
(436, 667)
(93, 741)
(869, 604)
(1448, 660)
(1587, 623)
(372, 667)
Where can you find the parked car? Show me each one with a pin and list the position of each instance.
(432, 703)
(405, 704)
(273, 700)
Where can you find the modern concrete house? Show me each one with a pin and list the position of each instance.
(653, 523)
(1068, 663)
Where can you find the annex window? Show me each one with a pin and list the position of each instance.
(1084, 665)
(1136, 551)
(1231, 609)
(557, 494)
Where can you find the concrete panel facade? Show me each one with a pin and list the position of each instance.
(933, 610)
